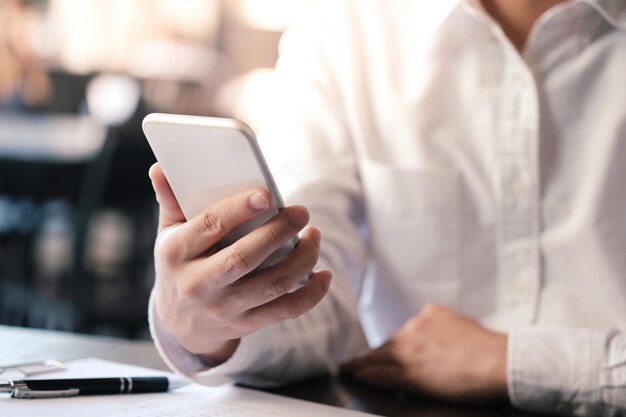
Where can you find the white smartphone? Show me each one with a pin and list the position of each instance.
(206, 159)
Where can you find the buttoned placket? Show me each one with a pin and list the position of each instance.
(519, 272)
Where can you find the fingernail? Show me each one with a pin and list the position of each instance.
(258, 202)
(298, 217)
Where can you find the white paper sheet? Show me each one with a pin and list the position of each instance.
(194, 400)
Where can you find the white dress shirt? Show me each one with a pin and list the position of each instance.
(442, 165)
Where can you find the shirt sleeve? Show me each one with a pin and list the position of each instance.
(309, 152)
(568, 371)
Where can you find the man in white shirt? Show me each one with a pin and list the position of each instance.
(470, 155)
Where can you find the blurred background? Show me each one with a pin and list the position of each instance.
(77, 211)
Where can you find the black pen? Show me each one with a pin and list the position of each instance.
(50, 388)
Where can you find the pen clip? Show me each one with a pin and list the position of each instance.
(21, 390)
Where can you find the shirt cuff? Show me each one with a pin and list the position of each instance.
(554, 369)
(194, 368)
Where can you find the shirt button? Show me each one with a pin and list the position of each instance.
(520, 286)
(521, 185)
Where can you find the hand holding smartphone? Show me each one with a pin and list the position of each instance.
(225, 265)
(206, 159)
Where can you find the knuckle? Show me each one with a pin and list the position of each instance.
(274, 288)
(220, 311)
(211, 223)
(414, 323)
(431, 309)
(168, 250)
(236, 214)
(189, 290)
(270, 237)
(289, 313)
(293, 310)
(236, 263)
(427, 317)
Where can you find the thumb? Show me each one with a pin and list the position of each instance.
(170, 212)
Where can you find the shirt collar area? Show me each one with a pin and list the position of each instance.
(613, 11)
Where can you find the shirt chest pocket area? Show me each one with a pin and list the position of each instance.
(414, 220)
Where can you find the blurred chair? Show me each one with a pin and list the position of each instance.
(47, 157)
(112, 100)
(41, 158)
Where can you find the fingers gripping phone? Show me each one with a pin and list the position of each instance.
(206, 159)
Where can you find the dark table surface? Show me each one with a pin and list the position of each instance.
(22, 345)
